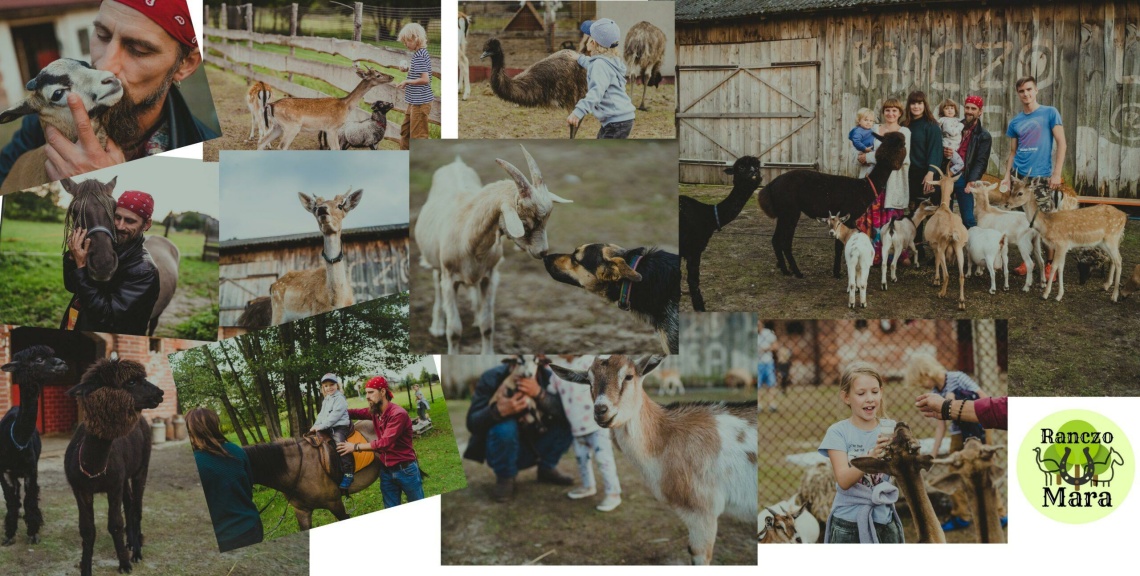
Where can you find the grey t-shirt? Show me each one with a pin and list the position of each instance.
(845, 437)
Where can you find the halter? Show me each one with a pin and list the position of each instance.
(338, 258)
(105, 230)
(873, 189)
(716, 215)
(627, 286)
(84, 470)
(12, 433)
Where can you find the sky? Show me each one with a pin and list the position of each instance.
(259, 189)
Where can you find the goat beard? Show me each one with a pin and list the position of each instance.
(110, 413)
(122, 119)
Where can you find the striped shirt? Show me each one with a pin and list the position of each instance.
(421, 64)
(956, 381)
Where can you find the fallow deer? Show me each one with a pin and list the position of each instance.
(257, 98)
(287, 117)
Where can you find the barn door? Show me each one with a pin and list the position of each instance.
(751, 99)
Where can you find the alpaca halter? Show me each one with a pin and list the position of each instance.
(627, 287)
(84, 470)
(12, 433)
(716, 214)
(338, 258)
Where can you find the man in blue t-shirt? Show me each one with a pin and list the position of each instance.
(1036, 149)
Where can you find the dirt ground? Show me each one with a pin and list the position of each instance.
(484, 115)
(1083, 345)
(642, 531)
(229, 91)
(176, 524)
(622, 193)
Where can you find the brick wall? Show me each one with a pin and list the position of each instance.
(58, 412)
(5, 378)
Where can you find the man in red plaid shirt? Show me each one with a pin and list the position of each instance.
(399, 471)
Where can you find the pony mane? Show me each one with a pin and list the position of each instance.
(86, 192)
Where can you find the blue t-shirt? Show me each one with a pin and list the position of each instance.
(844, 436)
(1034, 133)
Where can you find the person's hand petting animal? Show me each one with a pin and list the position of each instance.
(880, 446)
(529, 386)
(510, 406)
(67, 158)
(930, 404)
(78, 244)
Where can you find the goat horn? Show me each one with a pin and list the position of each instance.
(517, 175)
(535, 173)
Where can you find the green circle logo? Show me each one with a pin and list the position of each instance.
(1076, 466)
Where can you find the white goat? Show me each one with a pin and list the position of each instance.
(1014, 224)
(700, 459)
(459, 233)
(897, 236)
(804, 528)
(860, 254)
(47, 96)
(988, 247)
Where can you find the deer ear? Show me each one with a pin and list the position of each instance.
(926, 461)
(512, 221)
(570, 375)
(21, 109)
(306, 201)
(352, 201)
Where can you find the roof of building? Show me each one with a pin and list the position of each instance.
(45, 6)
(271, 242)
(700, 10)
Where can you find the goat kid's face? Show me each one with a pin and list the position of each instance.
(522, 366)
(48, 91)
(330, 213)
(592, 266)
(525, 220)
(615, 385)
(833, 222)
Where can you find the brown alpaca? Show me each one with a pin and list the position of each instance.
(903, 460)
(287, 117)
(110, 453)
(303, 293)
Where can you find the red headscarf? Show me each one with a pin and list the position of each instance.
(172, 15)
(380, 383)
(140, 203)
(975, 100)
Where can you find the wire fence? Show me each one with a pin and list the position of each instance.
(379, 25)
(809, 356)
(493, 17)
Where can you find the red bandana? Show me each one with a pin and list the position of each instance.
(140, 203)
(975, 100)
(172, 15)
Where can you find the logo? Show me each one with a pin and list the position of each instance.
(1076, 466)
(150, 2)
(180, 20)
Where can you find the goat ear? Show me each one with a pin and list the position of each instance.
(570, 375)
(306, 201)
(517, 175)
(84, 388)
(21, 109)
(556, 198)
(352, 200)
(511, 219)
(647, 364)
(871, 465)
(535, 173)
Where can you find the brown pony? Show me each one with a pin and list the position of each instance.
(293, 467)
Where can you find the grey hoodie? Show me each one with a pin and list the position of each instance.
(606, 98)
(334, 412)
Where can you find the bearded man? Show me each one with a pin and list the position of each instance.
(975, 152)
(150, 47)
(399, 471)
(123, 304)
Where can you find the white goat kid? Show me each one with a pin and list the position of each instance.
(898, 236)
(860, 254)
(988, 247)
(459, 233)
(700, 459)
(1014, 224)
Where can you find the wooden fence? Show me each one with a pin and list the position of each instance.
(236, 53)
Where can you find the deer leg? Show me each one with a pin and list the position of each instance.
(115, 526)
(1115, 271)
(487, 289)
(252, 124)
(12, 501)
(702, 537)
(86, 503)
(288, 134)
(268, 137)
(962, 278)
(1059, 272)
(1058, 260)
(693, 267)
(437, 323)
(454, 326)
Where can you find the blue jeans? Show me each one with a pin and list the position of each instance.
(508, 451)
(407, 481)
(615, 130)
(965, 203)
(766, 374)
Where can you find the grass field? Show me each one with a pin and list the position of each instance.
(34, 294)
(1084, 345)
(437, 455)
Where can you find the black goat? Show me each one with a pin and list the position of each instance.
(110, 453)
(698, 220)
(20, 442)
(817, 195)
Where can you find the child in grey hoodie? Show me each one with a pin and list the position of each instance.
(605, 69)
(334, 418)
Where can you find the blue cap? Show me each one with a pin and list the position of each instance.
(585, 27)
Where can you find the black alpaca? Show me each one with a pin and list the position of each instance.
(110, 453)
(20, 442)
(819, 195)
(698, 221)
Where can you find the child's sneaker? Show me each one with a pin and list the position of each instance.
(584, 492)
(346, 481)
(610, 502)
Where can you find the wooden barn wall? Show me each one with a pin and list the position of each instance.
(375, 268)
(1085, 55)
(711, 344)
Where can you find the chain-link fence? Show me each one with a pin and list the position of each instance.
(808, 357)
(378, 25)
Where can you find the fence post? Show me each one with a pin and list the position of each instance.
(223, 18)
(205, 19)
(986, 367)
(293, 33)
(249, 30)
(357, 20)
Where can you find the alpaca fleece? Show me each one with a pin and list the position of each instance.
(109, 413)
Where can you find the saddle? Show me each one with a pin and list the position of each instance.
(330, 459)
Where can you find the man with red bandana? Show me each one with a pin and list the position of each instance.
(975, 153)
(121, 305)
(150, 46)
(399, 471)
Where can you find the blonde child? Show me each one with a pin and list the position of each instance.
(862, 136)
(417, 87)
(590, 440)
(863, 509)
(951, 132)
(605, 72)
(925, 371)
(334, 418)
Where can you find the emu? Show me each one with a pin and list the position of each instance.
(20, 442)
(815, 194)
(698, 221)
(110, 453)
(556, 81)
(644, 53)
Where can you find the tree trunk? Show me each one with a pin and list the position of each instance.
(231, 412)
(250, 345)
(251, 416)
(294, 404)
